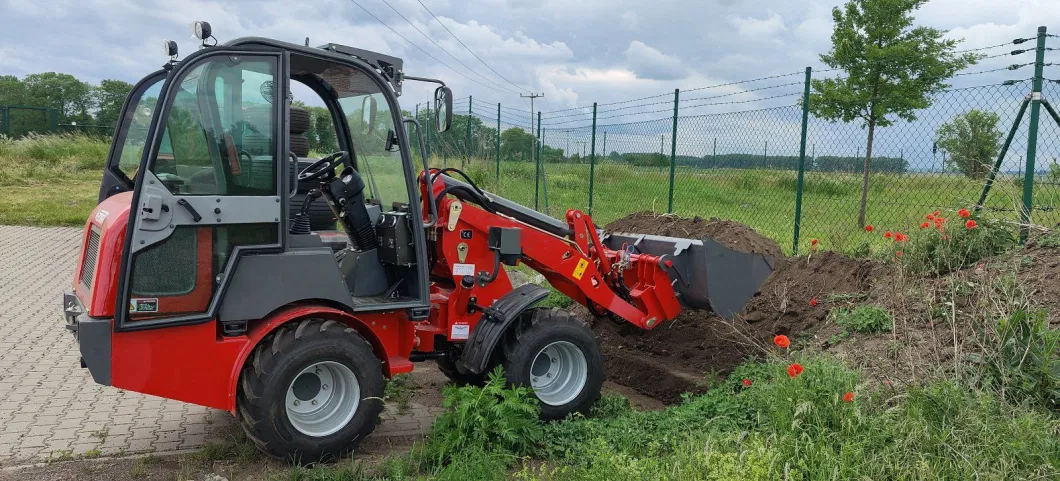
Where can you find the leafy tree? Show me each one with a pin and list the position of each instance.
(890, 69)
(517, 144)
(972, 140)
(109, 97)
(70, 96)
(12, 90)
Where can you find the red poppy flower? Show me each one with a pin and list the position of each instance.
(813, 302)
(813, 242)
(887, 235)
(868, 228)
(898, 253)
(971, 224)
(964, 214)
(929, 217)
(900, 237)
(794, 370)
(924, 225)
(936, 213)
(746, 383)
(848, 397)
(782, 341)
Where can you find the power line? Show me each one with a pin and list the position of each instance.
(443, 48)
(424, 51)
(472, 52)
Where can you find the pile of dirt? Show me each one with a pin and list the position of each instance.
(683, 355)
(733, 235)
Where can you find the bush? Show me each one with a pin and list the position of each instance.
(1022, 360)
(863, 318)
(941, 247)
(487, 418)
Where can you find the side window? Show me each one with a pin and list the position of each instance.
(219, 137)
(132, 149)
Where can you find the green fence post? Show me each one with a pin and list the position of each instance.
(498, 146)
(5, 128)
(592, 162)
(714, 156)
(1032, 135)
(673, 153)
(54, 119)
(537, 162)
(1001, 155)
(544, 174)
(802, 161)
(427, 139)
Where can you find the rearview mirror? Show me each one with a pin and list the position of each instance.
(369, 106)
(443, 108)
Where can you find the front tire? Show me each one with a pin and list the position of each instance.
(310, 391)
(559, 357)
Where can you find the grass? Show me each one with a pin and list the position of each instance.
(864, 318)
(50, 180)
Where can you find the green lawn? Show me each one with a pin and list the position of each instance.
(54, 180)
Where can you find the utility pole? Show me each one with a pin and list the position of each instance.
(605, 145)
(582, 142)
(532, 96)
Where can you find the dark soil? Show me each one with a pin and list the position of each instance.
(733, 235)
(685, 354)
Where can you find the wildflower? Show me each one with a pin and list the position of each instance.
(924, 225)
(971, 224)
(746, 383)
(794, 369)
(868, 228)
(898, 253)
(887, 235)
(782, 341)
(964, 214)
(848, 397)
(813, 242)
(900, 237)
(930, 217)
(813, 302)
(936, 213)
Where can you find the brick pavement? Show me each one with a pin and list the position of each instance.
(49, 406)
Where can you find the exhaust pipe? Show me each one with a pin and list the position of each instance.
(705, 273)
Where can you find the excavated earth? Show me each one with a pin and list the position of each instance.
(683, 355)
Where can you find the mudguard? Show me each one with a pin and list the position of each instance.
(491, 328)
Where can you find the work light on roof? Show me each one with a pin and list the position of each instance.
(202, 30)
(170, 48)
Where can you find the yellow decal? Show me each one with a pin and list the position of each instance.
(579, 270)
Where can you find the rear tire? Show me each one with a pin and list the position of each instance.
(317, 363)
(557, 355)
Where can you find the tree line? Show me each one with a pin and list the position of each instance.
(74, 101)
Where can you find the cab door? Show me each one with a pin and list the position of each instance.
(130, 135)
(209, 187)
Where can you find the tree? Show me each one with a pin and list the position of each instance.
(891, 69)
(70, 96)
(517, 144)
(972, 140)
(109, 97)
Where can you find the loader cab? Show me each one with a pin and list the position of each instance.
(209, 155)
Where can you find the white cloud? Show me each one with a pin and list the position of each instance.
(648, 62)
(755, 28)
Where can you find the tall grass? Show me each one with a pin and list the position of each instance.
(50, 179)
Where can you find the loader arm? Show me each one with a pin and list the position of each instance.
(632, 286)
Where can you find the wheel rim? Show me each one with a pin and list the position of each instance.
(323, 398)
(558, 373)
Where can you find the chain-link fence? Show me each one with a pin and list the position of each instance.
(738, 151)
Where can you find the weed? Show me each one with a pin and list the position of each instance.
(399, 390)
(1022, 360)
(611, 406)
(946, 248)
(91, 453)
(863, 318)
(1051, 239)
(59, 456)
(490, 417)
(101, 435)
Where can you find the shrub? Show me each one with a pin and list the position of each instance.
(488, 418)
(863, 318)
(949, 245)
(1022, 359)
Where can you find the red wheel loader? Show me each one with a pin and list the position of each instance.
(200, 281)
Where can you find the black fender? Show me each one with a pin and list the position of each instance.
(495, 322)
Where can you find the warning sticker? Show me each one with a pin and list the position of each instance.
(460, 332)
(101, 216)
(143, 305)
(463, 269)
(579, 270)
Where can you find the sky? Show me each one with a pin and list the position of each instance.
(574, 52)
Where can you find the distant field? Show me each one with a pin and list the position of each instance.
(53, 180)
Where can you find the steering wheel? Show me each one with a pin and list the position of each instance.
(325, 167)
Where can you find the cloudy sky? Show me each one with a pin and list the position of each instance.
(575, 52)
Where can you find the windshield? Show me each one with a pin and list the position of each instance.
(369, 116)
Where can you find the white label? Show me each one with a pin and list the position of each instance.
(143, 305)
(101, 216)
(463, 269)
(460, 332)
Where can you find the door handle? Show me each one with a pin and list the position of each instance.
(191, 210)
